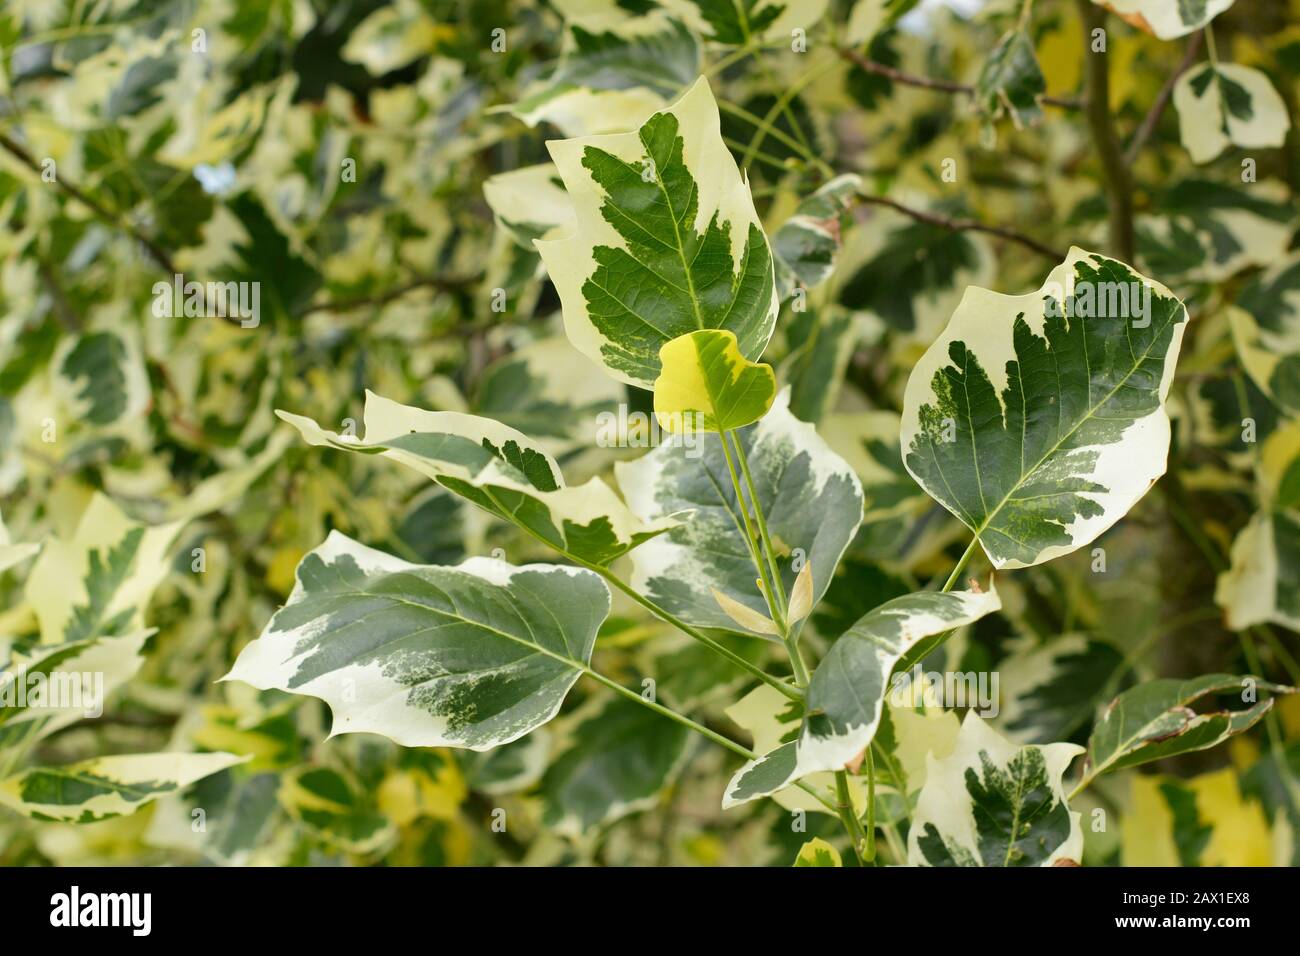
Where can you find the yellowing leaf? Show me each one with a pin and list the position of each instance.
(707, 385)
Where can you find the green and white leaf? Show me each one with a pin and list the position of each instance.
(849, 685)
(707, 385)
(1167, 19)
(53, 686)
(473, 656)
(614, 71)
(529, 203)
(737, 22)
(809, 495)
(499, 469)
(551, 392)
(808, 243)
(100, 581)
(1262, 582)
(1155, 720)
(667, 241)
(14, 554)
(101, 378)
(335, 808)
(869, 17)
(1209, 231)
(994, 803)
(106, 786)
(1266, 330)
(909, 276)
(1051, 691)
(1037, 430)
(1224, 104)
(848, 689)
(772, 721)
(1011, 82)
(616, 763)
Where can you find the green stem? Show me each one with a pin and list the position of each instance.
(752, 539)
(672, 715)
(777, 134)
(961, 564)
(761, 520)
(1210, 49)
(660, 612)
(848, 816)
(869, 764)
(789, 94)
(664, 615)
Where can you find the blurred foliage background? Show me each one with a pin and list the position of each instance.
(336, 153)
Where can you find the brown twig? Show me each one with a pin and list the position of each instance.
(965, 225)
(1115, 173)
(943, 86)
(441, 283)
(154, 251)
(164, 261)
(1162, 100)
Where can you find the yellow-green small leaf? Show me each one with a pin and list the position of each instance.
(707, 384)
(817, 852)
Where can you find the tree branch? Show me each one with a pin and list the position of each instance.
(441, 283)
(942, 86)
(1119, 185)
(1162, 100)
(154, 251)
(965, 225)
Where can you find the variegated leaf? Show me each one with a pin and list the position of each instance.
(811, 498)
(993, 803)
(1208, 231)
(13, 554)
(707, 385)
(1155, 720)
(473, 656)
(773, 722)
(499, 469)
(737, 22)
(1167, 19)
(614, 72)
(667, 241)
(817, 852)
(529, 203)
(1224, 104)
(106, 786)
(1011, 81)
(99, 582)
(808, 243)
(1262, 582)
(102, 378)
(618, 760)
(1266, 330)
(848, 688)
(55, 685)
(1039, 420)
